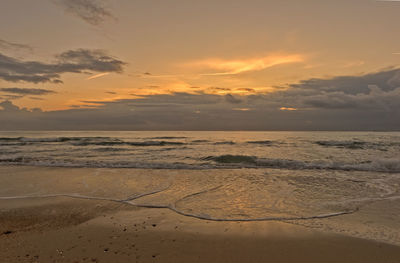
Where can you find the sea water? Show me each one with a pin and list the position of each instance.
(347, 182)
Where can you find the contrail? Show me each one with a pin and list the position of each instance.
(98, 75)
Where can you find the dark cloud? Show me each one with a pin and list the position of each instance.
(91, 11)
(24, 91)
(7, 106)
(36, 98)
(72, 61)
(10, 45)
(375, 91)
(375, 106)
(386, 80)
(231, 99)
(11, 97)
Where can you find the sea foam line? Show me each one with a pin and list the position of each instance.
(173, 207)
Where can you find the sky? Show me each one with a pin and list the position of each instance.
(199, 65)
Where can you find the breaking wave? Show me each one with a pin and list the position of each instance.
(98, 164)
(111, 143)
(225, 142)
(231, 159)
(356, 144)
(266, 143)
(200, 141)
(244, 161)
(85, 141)
(52, 139)
(217, 162)
(168, 137)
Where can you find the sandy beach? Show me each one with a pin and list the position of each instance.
(65, 229)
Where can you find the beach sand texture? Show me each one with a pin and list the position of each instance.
(69, 229)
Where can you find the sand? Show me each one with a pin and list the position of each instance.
(64, 229)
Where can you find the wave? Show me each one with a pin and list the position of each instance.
(53, 139)
(109, 149)
(168, 137)
(10, 138)
(200, 141)
(84, 141)
(98, 164)
(357, 144)
(154, 143)
(343, 144)
(213, 162)
(244, 161)
(225, 142)
(231, 159)
(13, 143)
(267, 142)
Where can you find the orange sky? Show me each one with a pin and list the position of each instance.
(213, 47)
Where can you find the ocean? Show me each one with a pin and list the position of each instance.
(343, 182)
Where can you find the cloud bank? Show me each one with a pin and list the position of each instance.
(72, 61)
(365, 102)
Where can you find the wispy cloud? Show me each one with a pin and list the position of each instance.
(151, 75)
(10, 45)
(351, 64)
(233, 67)
(91, 11)
(98, 75)
(26, 91)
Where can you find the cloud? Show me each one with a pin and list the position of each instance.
(98, 75)
(7, 106)
(36, 98)
(11, 97)
(10, 45)
(386, 80)
(92, 12)
(24, 91)
(374, 92)
(365, 102)
(288, 109)
(233, 67)
(72, 61)
(231, 99)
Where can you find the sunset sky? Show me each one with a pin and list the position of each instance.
(198, 64)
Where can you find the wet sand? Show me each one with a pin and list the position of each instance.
(66, 229)
(62, 229)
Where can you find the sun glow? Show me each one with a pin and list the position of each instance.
(288, 109)
(233, 67)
